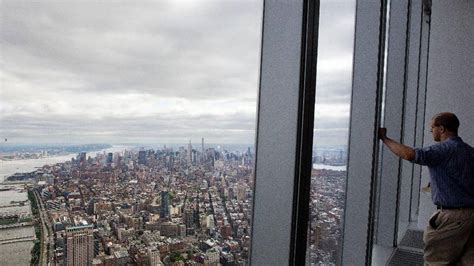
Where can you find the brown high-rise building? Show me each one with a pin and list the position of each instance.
(79, 245)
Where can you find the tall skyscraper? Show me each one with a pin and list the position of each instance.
(170, 161)
(165, 205)
(110, 158)
(189, 221)
(79, 245)
(142, 157)
(203, 154)
(81, 158)
(190, 152)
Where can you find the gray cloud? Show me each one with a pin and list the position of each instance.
(168, 128)
(335, 45)
(150, 71)
(152, 47)
(334, 77)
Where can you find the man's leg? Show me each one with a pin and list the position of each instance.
(467, 257)
(446, 235)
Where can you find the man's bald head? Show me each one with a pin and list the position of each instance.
(449, 121)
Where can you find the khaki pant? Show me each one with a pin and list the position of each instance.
(449, 238)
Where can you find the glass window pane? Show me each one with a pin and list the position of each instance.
(131, 126)
(332, 111)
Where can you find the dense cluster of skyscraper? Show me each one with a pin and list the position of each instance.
(150, 207)
(327, 210)
(172, 206)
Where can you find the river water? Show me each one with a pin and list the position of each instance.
(330, 167)
(19, 253)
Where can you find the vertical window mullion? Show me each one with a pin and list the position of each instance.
(363, 142)
(277, 132)
(304, 142)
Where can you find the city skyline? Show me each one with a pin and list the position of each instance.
(151, 72)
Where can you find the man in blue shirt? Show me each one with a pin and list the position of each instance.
(449, 237)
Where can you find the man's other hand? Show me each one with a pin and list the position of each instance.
(382, 133)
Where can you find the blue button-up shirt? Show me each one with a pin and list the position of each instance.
(451, 167)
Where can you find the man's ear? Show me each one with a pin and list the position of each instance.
(442, 129)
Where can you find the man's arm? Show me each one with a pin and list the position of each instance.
(402, 151)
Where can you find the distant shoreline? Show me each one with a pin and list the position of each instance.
(9, 168)
(16, 152)
(38, 158)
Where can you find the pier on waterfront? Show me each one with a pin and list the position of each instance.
(17, 239)
(8, 226)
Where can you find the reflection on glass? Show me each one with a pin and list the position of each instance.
(127, 131)
(332, 110)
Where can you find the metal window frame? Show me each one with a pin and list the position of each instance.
(422, 93)
(284, 138)
(394, 113)
(366, 103)
(408, 178)
(284, 132)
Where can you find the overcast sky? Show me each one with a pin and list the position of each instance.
(152, 71)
